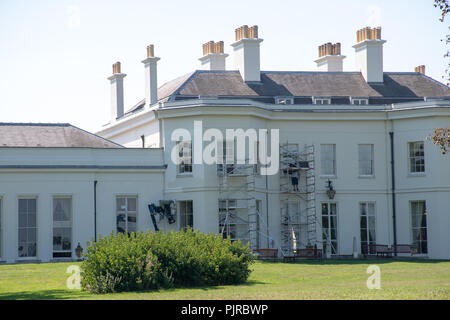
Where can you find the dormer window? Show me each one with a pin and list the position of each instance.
(321, 100)
(284, 100)
(359, 101)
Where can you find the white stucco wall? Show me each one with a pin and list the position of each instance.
(57, 172)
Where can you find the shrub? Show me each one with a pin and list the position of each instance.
(159, 260)
(122, 263)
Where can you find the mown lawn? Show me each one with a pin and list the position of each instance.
(269, 280)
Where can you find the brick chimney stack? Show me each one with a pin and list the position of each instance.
(151, 76)
(117, 101)
(369, 54)
(213, 56)
(330, 58)
(247, 53)
(420, 69)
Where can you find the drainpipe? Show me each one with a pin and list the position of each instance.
(95, 210)
(394, 220)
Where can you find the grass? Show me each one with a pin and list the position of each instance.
(269, 280)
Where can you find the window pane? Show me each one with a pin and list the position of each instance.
(62, 227)
(365, 152)
(416, 157)
(131, 204)
(327, 155)
(27, 227)
(367, 226)
(363, 235)
(120, 203)
(419, 225)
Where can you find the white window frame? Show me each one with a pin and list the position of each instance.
(185, 157)
(328, 229)
(415, 157)
(284, 100)
(367, 225)
(322, 100)
(413, 241)
(63, 224)
(226, 153)
(322, 161)
(29, 197)
(359, 101)
(126, 211)
(371, 160)
(184, 215)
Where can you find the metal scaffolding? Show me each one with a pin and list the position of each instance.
(239, 216)
(297, 198)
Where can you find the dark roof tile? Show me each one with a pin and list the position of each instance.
(50, 135)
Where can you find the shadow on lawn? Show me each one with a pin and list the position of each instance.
(75, 294)
(42, 295)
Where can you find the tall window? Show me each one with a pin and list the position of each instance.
(27, 228)
(185, 156)
(186, 214)
(328, 159)
(62, 227)
(1, 234)
(329, 227)
(416, 157)
(227, 226)
(126, 213)
(226, 154)
(365, 153)
(419, 226)
(367, 227)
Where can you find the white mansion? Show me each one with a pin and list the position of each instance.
(355, 167)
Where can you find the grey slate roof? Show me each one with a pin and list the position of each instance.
(400, 85)
(397, 86)
(50, 135)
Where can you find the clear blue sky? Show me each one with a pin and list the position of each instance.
(55, 56)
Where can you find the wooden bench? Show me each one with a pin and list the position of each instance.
(405, 248)
(312, 253)
(266, 253)
(385, 250)
(308, 253)
(378, 249)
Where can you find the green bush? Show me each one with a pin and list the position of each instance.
(122, 263)
(159, 260)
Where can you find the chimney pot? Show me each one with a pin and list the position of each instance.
(213, 56)
(150, 51)
(330, 58)
(116, 67)
(420, 69)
